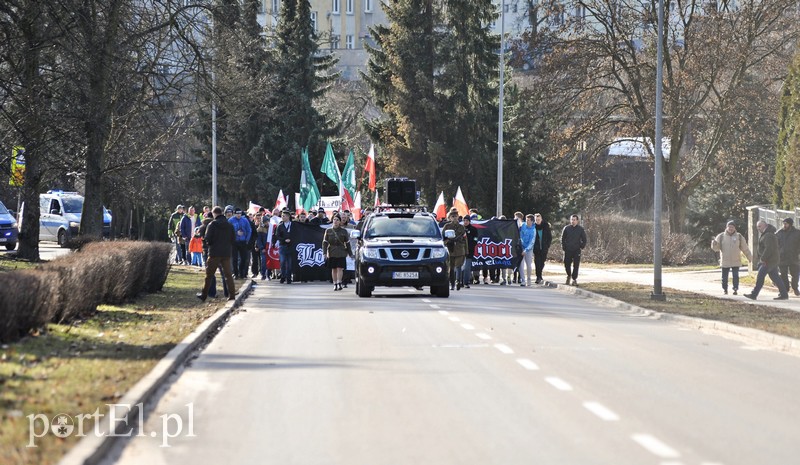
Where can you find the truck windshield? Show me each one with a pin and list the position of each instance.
(406, 227)
(3, 209)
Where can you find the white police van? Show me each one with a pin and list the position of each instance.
(60, 216)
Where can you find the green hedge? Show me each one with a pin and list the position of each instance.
(74, 285)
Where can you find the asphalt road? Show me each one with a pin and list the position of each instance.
(492, 375)
(47, 250)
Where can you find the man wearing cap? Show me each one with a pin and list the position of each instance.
(789, 248)
(731, 245)
(172, 225)
(241, 227)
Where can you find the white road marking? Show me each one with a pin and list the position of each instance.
(467, 326)
(527, 364)
(655, 447)
(558, 383)
(444, 312)
(483, 336)
(455, 318)
(710, 463)
(671, 463)
(601, 411)
(435, 306)
(504, 348)
(427, 301)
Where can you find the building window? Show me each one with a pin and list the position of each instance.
(350, 42)
(367, 6)
(335, 7)
(350, 6)
(276, 6)
(334, 41)
(314, 21)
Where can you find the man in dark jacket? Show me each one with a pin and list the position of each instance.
(283, 239)
(768, 256)
(472, 241)
(573, 240)
(788, 249)
(541, 245)
(219, 239)
(242, 232)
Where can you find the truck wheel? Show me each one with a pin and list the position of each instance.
(442, 291)
(363, 290)
(11, 246)
(62, 238)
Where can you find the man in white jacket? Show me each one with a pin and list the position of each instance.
(731, 245)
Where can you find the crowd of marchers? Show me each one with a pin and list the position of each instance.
(238, 245)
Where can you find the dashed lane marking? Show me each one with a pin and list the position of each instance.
(527, 364)
(454, 319)
(655, 446)
(504, 348)
(601, 411)
(467, 326)
(558, 383)
(483, 336)
(444, 312)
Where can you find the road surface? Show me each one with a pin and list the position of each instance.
(492, 375)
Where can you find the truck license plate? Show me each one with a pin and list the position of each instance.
(405, 275)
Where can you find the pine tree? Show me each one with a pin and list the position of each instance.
(468, 85)
(400, 75)
(786, 187)
(301, 77)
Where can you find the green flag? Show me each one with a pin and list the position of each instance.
(349, 177)
(309, 193)
(329, 166)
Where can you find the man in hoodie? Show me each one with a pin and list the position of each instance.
(789, 248)
(768, 256)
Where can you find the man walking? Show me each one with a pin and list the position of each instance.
(768, 262)
(573, 240)
(730, 245)
(219, 240)
(541, 245)
(241, 227)
(284, 240)
(789, 248)
(172, 226)
(457, 247)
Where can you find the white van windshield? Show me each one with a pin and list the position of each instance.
(72, 204)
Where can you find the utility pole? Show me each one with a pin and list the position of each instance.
(657, 184)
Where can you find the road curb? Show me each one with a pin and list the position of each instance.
(749, 335)
(92, 449)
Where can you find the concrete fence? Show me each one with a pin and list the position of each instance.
(771, 216)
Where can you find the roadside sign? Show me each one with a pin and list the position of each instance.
(17, 166)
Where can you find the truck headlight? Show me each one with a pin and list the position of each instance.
(438, 253)
(14, 225)
(370, 253)
(74, 224)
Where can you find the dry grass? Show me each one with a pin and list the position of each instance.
(78, 368)
(773, 320)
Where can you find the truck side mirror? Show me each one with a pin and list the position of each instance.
(449, 234)
(54, 212)
(355, 234)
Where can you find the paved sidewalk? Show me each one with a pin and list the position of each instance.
(708, 282)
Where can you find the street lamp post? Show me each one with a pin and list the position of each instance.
(500, 112)
(657, 293)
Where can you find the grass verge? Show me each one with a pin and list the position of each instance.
(76, 369)
(773, 320)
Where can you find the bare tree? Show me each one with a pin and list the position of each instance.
(715, 55)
